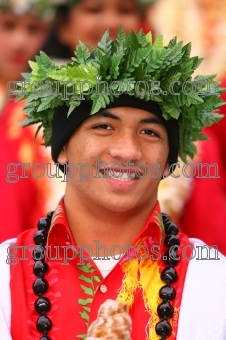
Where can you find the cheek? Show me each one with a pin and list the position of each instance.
(81, 27)
(34, 43)
(131, 22)
(5, 40)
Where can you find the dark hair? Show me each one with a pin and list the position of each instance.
(53, 47)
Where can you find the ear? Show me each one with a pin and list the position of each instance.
(62, 158)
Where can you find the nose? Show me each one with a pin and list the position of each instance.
(19, 39)
(126, 147)
(112, 22)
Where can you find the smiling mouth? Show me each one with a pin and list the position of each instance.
(121, 176)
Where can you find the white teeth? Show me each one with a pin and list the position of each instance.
(120, 176)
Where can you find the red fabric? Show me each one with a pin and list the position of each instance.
(204, 215)
(67, 287)
(23, 202)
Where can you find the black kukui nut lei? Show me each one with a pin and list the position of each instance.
(166, 293)
(169, 275)
(40, 286)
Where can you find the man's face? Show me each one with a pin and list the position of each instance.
(89, 19)
(118, 135)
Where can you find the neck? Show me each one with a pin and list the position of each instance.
(92, 226)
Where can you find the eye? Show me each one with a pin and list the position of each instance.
(92, 9)
(33, 29)
(102, 127)
(9, 25)
(127, 10)
(150, 133)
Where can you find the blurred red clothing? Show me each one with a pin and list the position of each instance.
(22, 203)
(204, 214)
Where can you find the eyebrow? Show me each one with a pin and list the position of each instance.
(151, 120)
(107, 114)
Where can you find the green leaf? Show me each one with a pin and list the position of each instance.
(92, 270)
(26, 75)
(44, 62)
(133, 40)
(84, 269)
(82, 336)
(58, 74)
(86, 308)
(38, 129)
(115, 62)
(97, 278)
(85, 302)
(84, 315)
(34, 67)
(47, 135)
(87, 290)
(170, 109)
(158, 44)
(73, 105)
(81, 54)
(84, 278)
(45, 104)
(149, 37)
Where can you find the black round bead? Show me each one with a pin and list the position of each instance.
(44, 223)
(43, 324)
(171, 240)
(171, 228)
(165, 218)
(171, 257)
(40, 237)
(163, 328)
(165, 309)
(50, 214)
(167, 293)
(169, 274)
(38, 253)
(40, 286)
(40, 268)
(47, 338)
(42, 305)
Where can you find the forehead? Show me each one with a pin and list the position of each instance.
(27, 17)
(128, 115)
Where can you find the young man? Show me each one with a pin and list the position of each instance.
(107, 238)
(23, 29)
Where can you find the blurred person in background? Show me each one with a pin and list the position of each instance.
(23, 29)
(199, 204)
(87, 20)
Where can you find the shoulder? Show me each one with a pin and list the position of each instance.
(204, 295)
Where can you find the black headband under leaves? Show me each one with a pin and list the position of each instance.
(134, 65)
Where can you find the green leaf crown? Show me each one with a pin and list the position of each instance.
(45, 9)
(130, 59)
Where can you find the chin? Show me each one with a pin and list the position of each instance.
(122, 206)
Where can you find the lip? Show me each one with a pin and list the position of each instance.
(130, 170)
(17, 59)
(120, 185)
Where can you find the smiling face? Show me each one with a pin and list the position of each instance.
(91, 18)
(118, 135)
